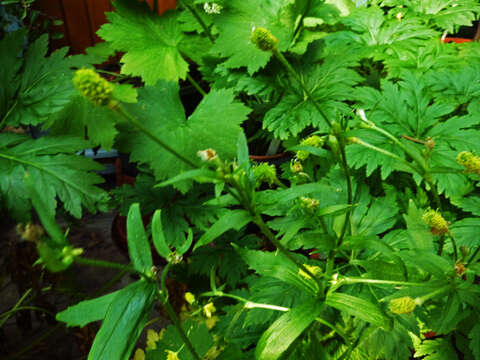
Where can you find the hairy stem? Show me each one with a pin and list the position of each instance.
(196, 85)
(199, 19)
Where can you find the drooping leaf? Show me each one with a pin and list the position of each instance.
(138, 245)
(285, 330)
(87, 311)
(123, 321)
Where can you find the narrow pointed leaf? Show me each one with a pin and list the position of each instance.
(138, 245)
(158, 236)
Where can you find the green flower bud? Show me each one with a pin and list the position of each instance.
(309, 203)
(263, 39)
(314, 141)
(91, 85)
(438, 225)
(264, 173)
(470, 162)
(296, 166)
(403, 305)
(315, 270)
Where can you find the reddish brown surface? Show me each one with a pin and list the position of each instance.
(456, 40)
(82, 18)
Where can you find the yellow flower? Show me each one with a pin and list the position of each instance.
(171, 355)
(403, 305)
(438, 225)
(139, 355)
(209, 309)
(152, 338)
(189, 298)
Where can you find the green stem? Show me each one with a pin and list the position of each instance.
(17, 305)
(297, 77)
(106, 264)
(196, 85)
(152, 136)
(351, 280)
(349, 192)
(441, 243)
(163, 282)
(454, 245)
(424, 298)
(199, 19)
(474, 255)
(173, 316)
(4, 120)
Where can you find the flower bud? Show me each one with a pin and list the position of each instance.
(189, 298)
(430, 144)
(171, 355)
(91, 85)
(315, 141)
(30, 232)
(152, 338)
(209, 309)
(263, 39)
(309, 203)
(296, 166)
(403, 305)
(315, 270)
(264, 173)
(470, 162)
(438, 225)
(207, 155)
(459, 269)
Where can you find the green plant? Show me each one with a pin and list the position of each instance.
(356, 249)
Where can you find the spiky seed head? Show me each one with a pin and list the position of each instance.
(469, 161)
(438, 225)
(263, 39)
(402, 305)
(91, 85)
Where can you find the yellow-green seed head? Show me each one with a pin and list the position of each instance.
(438, 225)
(264, 173)
(314, 141)
(470, 162)
(263, 39)
(91, 85)
(403, 305)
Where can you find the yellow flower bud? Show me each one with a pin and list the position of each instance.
(209, 309)
(171, 355)
(263, 39)
(189, 298)
(91, 85)
(152, 339)
(403, 305)
(438, 225)
(470, 162)
(315, 270)
(309, 203)
(315, 141)
(139, 355)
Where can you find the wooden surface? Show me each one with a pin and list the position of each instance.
(82, 18)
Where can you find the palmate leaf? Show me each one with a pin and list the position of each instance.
(215, 124)
(56, 170)
(235, 24)
(151, 42)
(43, 87)
(330, 83)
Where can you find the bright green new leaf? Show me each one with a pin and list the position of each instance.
(359, 308)
(215, 124)
(285, 330)
(151, 42)
(438, 349)
(234, 219)
(138, 245)
(123, 322)
(87, 311)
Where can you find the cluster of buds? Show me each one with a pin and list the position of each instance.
(209, 309)
(309, 203)
(69, 254)
(263, 39)
(264, 173)
(403, 305)
(470, 162)
(95, 88)
(438, 225)
(315, 270)
(314, 141)
(207, 155)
